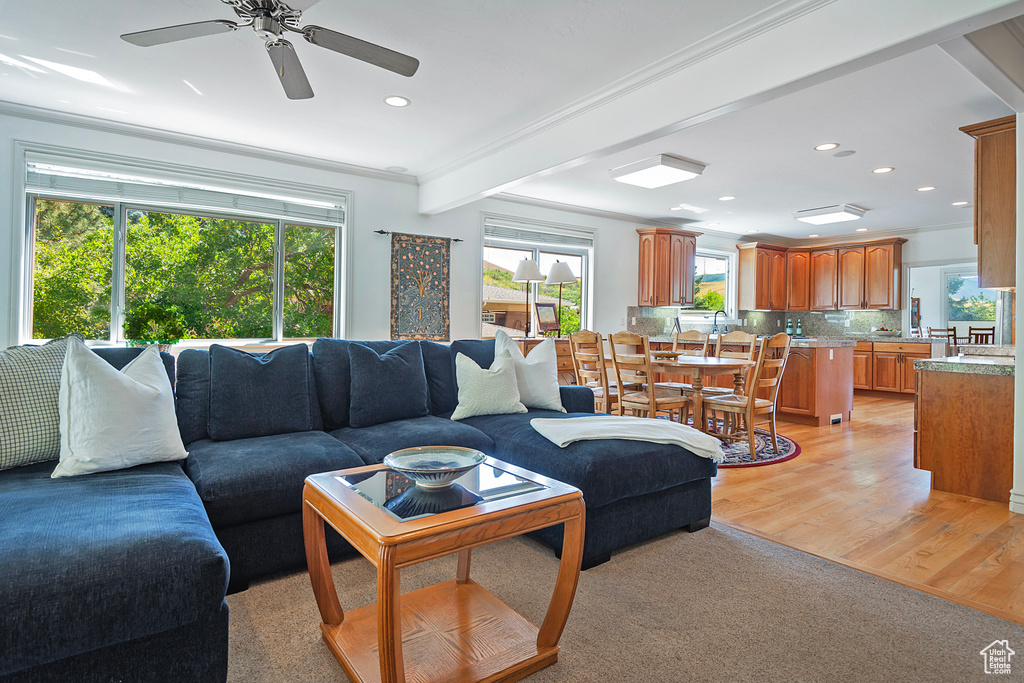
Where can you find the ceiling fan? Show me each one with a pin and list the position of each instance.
(270, 19)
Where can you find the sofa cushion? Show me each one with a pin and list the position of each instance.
(334, 378)
(93, 561)
(605, 470)
(253, 396)
(373, 443)
(249, 479)
(437, 363)
(388, 386)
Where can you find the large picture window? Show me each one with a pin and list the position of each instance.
(101, 266)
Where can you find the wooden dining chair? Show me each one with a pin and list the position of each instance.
(742, 345)
(638, 393)
(681, 339)
(981, 335)
(588, 360)
(947, 333)
(748, 409)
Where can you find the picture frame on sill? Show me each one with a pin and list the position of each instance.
(547, 317)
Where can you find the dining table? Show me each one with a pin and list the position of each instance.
(699, 367)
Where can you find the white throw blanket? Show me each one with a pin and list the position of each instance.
(564, 431)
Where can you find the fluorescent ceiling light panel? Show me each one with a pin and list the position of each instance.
(830, 214)
(658, 171)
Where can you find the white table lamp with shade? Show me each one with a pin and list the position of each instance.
(560, 274)
(528, 272)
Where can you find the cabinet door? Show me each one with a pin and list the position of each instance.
(763, 280)
(683, 257)
(879, 277)
(908, 375)
(886, 372)
(645, 286)
(851, 278)
(862, 369)
(662, 269)
(798, 281)
(796, 395)
(777, 281)
(995, 216)
(823, 280)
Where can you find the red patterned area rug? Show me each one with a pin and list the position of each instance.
(737, 454)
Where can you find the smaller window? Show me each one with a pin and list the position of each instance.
(713, 285)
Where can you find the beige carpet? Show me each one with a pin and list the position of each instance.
(718, 605)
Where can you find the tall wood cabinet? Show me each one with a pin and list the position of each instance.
(823, 280)
(995, 200)
(667, 258)
(762, 277)
(798, 280)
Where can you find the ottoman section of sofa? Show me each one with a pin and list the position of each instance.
(94, 561)
(373, 443)
(251, 479)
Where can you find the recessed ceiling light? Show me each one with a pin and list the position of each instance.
(845, 153)
(726, 198)
(862, 229)
(826, 146)
(926, 188)
(396, 169)
(884, 169)
(960, 203)
(690, 207)
(713, 225)
(750, 232)
(397, 101)
(814, 235)
(830, 214)
(658, 171)
(676, 208)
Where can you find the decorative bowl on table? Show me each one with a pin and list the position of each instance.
(886, 333)
(434, 467)
(666, 354)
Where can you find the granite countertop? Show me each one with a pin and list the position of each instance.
(894, 340)
(798, 342)
(974, 365)
(987, 350)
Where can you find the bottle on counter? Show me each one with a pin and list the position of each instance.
(799, 328)
(789, 327)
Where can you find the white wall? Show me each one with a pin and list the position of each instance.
(377, 204)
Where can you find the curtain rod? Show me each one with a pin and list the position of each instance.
(385, 232)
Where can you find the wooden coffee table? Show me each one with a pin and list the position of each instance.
(455, 630)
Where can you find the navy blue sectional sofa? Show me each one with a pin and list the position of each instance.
(122, 575)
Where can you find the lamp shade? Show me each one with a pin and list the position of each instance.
(560, 274)
(527, 271)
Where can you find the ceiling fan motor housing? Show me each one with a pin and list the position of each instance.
(266, 27)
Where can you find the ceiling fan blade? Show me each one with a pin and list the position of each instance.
(300, 5)
(169, 34)
(360, 49)
(289, 70)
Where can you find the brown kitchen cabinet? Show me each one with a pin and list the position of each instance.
(762, 277)
(851, 278)
(995, 200)
(863, 365)
(817, 385)
(798, 280)
(882, 264)
(892, 366)
(823, 280)
(667, 258)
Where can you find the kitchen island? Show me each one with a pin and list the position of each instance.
(963, 424)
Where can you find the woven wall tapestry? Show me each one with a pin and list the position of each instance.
(420, 287)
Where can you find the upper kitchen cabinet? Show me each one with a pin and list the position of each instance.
(869, 275)
(798, 280)
(995, 197)
(823, 280)
(851, 278)
(667, 258)
(762, 277)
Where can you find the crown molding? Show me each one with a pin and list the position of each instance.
(725, 39)
(856, 237)
(25, 111)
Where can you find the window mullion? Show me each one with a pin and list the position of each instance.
(118, 273)
(279, 280)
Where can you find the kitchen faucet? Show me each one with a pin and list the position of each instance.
(714, 330)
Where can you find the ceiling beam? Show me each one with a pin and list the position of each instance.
(995, 56)
(790, 46)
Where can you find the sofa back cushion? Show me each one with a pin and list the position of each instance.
(260, 395)
(334, 376)
(386, 387)
(437, 365)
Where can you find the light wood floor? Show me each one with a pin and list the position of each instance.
(854, 497)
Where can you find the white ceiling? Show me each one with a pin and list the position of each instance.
(903, 113)
(492, 67)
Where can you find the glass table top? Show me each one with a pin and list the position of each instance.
(398, 496)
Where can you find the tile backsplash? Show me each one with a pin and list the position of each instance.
(658, 321)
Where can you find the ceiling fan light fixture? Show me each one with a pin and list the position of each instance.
(397, 101)
(830, 214)
(658, 171)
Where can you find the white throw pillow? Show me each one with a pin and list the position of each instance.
(486, 392)
(111, 419)
(537, 374)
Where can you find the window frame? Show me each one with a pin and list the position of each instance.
(944, 275)
(119, 267)
(731, 286)
(586, 253)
